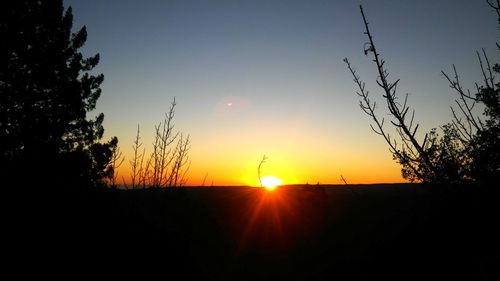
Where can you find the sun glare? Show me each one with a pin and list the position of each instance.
(270, 182)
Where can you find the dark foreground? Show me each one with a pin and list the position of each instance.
(393, 232)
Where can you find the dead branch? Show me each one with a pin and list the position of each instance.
(179, 160)
(264, 158)
(163, 155)
(468, 123)
(495, 7)
(410, 152)
(204, 179)
(136, 162)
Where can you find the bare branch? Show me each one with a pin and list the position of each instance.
(496, 8)
(136, 162)
(264, 158)
(398, 111)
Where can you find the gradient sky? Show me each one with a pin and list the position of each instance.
(279, 63)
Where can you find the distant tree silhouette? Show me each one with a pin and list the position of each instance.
(468, 151)
(47, 88)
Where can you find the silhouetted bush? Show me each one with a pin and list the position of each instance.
(468, 150)
(168, 163)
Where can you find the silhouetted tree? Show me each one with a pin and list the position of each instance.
(115, 162)
(477, 138)
(468, 151)
(47, 88)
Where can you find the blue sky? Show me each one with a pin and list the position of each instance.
(279, 65)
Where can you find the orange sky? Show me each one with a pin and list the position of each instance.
(254, 78)
(296, 154)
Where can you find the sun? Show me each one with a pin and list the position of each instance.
(270, 182)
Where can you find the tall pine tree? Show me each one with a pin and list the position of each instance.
(47, 88)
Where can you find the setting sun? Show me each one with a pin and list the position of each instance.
(270, 182)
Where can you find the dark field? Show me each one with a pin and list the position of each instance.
(397, 232)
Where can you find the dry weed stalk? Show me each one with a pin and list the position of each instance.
(168, 163)
(264, 158)
(136, 162)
